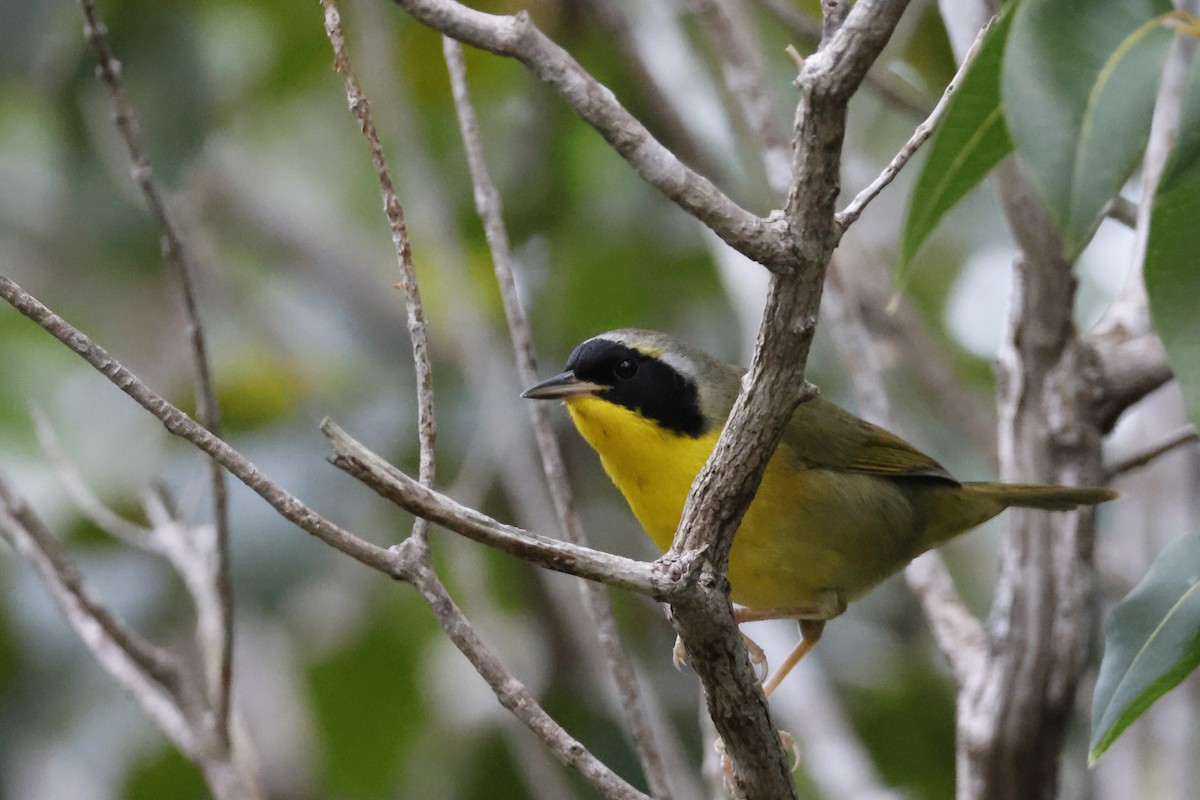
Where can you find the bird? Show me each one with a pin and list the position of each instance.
(843, 503)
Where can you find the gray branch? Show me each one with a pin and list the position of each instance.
(216, 642)
(595, 600)
(415, 311)
(772, 388)
(151, 675)
(517, 37)
(183, 426)
(584, 562)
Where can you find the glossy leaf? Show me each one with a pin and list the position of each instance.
(970, 141)
(1078, 84)
(1172, 270)
(1151, 644)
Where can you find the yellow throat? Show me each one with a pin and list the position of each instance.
(652, 466)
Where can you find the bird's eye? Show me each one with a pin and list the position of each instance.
(625, 369)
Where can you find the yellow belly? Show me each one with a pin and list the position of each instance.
(806, 532)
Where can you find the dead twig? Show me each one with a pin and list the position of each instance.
(216, 634)
(595, 600)
(856, 207)
(415, 316)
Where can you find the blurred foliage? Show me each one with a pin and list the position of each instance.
(165, 774)
(340, 673)
(367, 702)
(916, 699)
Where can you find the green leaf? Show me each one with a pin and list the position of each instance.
(1078, 85)
(1171, 269)
(1152, 642)
(969, 142)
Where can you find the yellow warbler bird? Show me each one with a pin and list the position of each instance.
(843, 503)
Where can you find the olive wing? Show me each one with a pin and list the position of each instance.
(823, 436)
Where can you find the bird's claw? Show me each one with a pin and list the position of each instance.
(758, 658)
(678, 654)
(786, 739)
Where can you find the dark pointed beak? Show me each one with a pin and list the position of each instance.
(563, 385)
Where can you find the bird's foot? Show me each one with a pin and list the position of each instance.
(758, 658)
(726, 763)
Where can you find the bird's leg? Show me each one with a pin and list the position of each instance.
(812, 620)
(810, 634)
(830, 604)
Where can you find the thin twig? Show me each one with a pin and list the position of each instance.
(761, 239)
(959, 634)
(511, 693)
(595, 600)
(104, 518)
(1123, 210)
(584, 562)
(415, 316)
(183, 426)
(217, 646)
(856, 207)
(745, 79)
(1181, 437)
(895, 93)
(151, 675)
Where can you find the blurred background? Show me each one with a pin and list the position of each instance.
(345, 684)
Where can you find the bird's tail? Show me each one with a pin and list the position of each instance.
(1049, 498)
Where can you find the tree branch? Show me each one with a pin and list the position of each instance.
(216, 634)
(1129, 369)
(404, 562)
(508, 690)
(595, 600)
(772, 388)
(517, 37)
(415, 312)
(183, 426)
(854, 210)
(387, 481)
(152, 676)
